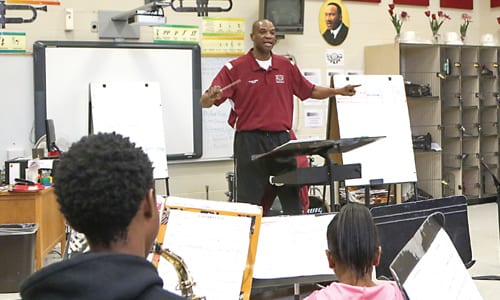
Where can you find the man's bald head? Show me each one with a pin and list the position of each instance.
(261, 23)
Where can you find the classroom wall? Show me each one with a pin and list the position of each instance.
(370, 24)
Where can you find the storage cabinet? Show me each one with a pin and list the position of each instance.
(461, 113)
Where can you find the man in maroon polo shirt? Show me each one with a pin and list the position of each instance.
(262, 85)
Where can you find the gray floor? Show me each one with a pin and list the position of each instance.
(483, 223)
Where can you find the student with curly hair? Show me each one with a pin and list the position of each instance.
(353, 250)
(104, 187)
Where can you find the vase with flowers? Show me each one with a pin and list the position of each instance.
(435, 21)
(465, 25)
(397, 20)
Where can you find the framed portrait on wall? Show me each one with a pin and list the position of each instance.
(376, 1)
(333, 22)
(495, 3)
(465, 4)
(412, 2)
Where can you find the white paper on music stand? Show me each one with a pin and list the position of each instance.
(292, 246)
(440, 274)
(213, 246)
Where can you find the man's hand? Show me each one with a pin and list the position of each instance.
(215, 93)
(348, 90)
(208, 98)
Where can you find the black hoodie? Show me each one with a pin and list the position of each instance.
(100, 276)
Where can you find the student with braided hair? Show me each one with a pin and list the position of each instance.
(353, 250)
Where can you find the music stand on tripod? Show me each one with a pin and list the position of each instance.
(326, 174)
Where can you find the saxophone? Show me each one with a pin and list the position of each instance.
(186, 282)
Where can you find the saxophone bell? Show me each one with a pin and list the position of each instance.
(186, 282)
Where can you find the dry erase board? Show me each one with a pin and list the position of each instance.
(218, 136)
(64, 70)
(379, 108)
(16, 86)
(114, 106)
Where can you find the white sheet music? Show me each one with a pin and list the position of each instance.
(215, 249)
(292, 246)
(442, 273)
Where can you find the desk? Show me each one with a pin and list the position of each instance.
(40, 208)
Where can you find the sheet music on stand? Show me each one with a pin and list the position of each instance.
(293, 246)
(317, 146)
(429, 267)
(217, 241)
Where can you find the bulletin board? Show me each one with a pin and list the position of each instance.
(379, 108)
(64, 70)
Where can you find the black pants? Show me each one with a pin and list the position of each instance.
(252, 177)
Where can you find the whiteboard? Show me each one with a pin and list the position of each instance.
(218, 136)
(64, 70)
(114, 108)
(16, 86)
(379, 108)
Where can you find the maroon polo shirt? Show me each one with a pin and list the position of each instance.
(263, 100)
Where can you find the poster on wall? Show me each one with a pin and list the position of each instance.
(412, 2)
(333, 22)
(495, 3)
(465, 4)
(334, 57)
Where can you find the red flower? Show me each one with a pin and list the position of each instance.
(465, 25)
(436, 21)
(396, 20)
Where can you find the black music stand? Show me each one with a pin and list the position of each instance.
(326, 174)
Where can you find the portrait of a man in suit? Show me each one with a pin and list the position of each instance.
(336, 30)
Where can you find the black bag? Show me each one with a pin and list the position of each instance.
(422, 142)
(417, 90)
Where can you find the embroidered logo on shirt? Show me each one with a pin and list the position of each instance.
(253, 81)
(280, 78)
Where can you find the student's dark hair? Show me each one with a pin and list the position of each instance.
(352, 238)
(100, 183)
